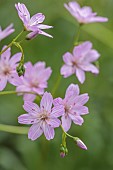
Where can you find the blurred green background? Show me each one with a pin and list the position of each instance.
(19, 153)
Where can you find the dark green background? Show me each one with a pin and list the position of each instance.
(19, 153)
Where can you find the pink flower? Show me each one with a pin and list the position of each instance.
(80, 61)
(43, 119)
(4, 33)
(8, 68)
(83, 15)
(34, 80)
(34, 23)
(73, 104)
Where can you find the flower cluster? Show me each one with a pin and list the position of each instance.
(32, 80)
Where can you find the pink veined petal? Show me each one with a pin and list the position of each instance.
(3, 82)
(42, 26)
(15, 58)
(27, 119)
(57, 111)
(90, 67)
(36, 19)
(78, 120)
(46, 102)
(58, 101)
(6, 55)
(72, 90)
(80, 75)
(31, 107)
(66, 122)
(80, 110)
(81, 50)
(53, 122)
(66, 71)
(14, 79)
(48, 131)
(22, 88)
(23, 13)
(81, 99)
(35, 131)
(68, 58)
(29, 97)
(46, 34)
(91, 56)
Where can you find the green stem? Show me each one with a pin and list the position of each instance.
(68, 134)
(12, 42)
(16, 92)
(56, 85)
(14, 129)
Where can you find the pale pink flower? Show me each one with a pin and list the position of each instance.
(43, 119)
(83, 15)
(33, 24)
(80, 61)
(34, 80)
(8, 68)
(6, 32)
(74, 108)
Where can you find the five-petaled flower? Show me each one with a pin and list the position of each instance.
(43, 119)
(7, 31)
(73, 104)
(34, 80)
(83, 15)
(80, 61)
(8, 68)
(33, 24)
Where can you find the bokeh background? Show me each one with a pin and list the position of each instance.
(19, 153)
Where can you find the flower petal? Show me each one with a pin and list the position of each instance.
(68, 58)
(6, 55)
(77, 119)
(46, 34)
(48, 131)
(35, 131)
(57, 111)
(46, 102)
(80, 75)
(53, 122)
(27, 119)
(36, 19)
(66, 71)
(66, 122)
(31, 107)
(42, 26)
(15, 58)
(72, 90)
(91, 68)
(3, 82)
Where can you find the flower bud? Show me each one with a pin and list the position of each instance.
(81, 144)
(20, 70)
(63, 151)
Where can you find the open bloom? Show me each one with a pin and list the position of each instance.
(8, 68)
(33, 24)
(80, 61)
(83, 15)
(34, 80)
(73, 104)
(43, 119)
(7, 31)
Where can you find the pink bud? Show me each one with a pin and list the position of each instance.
(81, 144)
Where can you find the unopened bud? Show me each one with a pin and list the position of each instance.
(63, 151)
(32, 35)
(81, 144)
(20, 70)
